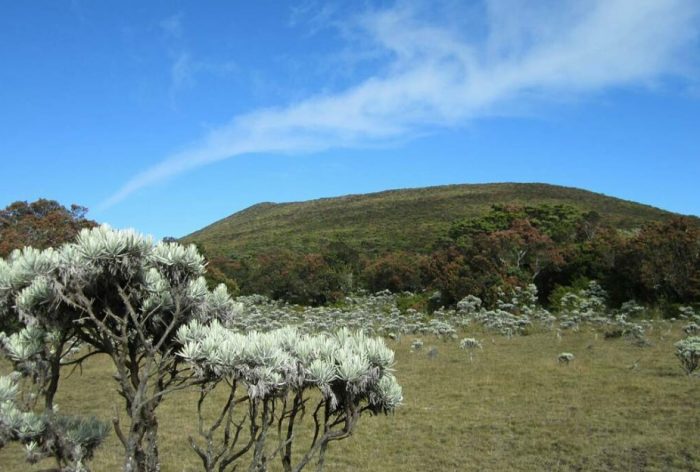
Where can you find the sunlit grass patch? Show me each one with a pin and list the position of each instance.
(514, 407)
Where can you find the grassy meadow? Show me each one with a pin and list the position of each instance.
(615, 407)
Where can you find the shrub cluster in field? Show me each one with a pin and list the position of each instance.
(515, 313)
(688, 352)
(379, 314)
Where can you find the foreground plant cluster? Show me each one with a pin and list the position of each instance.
(149, 310)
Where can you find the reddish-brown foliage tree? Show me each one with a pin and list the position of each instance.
(457, 271)
(40, 224)
(664, 259)
(523, 250)
(396, 271)
(298, 278)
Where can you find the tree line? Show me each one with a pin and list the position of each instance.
(552, 246)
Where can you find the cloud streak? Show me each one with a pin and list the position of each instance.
(437, 73)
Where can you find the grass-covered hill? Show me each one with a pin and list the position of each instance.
(408, 219)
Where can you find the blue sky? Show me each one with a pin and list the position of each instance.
(166, 116)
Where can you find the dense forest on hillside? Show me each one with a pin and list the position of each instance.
(447, 242)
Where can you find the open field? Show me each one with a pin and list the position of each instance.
(513, 408)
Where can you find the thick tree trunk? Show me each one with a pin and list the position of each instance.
(151, 446)
(141, 454)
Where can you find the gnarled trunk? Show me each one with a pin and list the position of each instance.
(141, 451)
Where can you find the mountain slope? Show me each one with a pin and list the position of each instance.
(410, 219)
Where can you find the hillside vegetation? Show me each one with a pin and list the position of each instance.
(452, 241)
(409, 219)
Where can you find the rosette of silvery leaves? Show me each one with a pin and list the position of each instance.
(16, 424)
(274, 363)
(163, 280)
(688, 352)
(42, 433)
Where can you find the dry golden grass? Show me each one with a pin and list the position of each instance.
(513, 408)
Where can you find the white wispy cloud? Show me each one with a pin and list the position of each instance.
(182, 72)
(185, 67)
(172, 25)
(440, 72)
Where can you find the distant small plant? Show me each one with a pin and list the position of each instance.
(586, 304)
(569, 325)
(565, 358)
(686, 312)
(417, 344)
(613, 333)
(633, 332)
(470, 343)
(469, 305)
(432, 352)
(631, 309)
(691, 329)
(688, 352)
